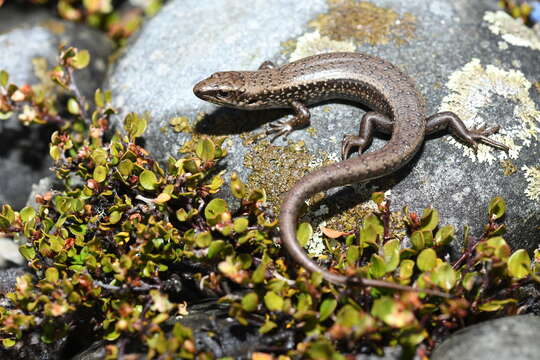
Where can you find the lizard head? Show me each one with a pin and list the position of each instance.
(222, 88)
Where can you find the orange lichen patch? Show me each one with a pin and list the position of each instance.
(365, 23)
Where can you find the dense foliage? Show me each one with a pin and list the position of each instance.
(120, 244)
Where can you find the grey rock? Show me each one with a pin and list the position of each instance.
(26, 34)
(188, 40)
(9, 253)
(508, 338)
(8, 279)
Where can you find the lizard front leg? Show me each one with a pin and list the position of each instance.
(285, 127)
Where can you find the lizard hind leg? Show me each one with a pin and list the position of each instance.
(452, 122)
(370, 122)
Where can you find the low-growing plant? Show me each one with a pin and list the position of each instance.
(107, 249)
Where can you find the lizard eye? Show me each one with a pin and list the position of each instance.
(220, 94)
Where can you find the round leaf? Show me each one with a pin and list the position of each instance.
(81, 59)
(250, 302)
(427, 259)
(273, 301)
(148, 180)
(519, 264)
(27, 213)
(100, 173)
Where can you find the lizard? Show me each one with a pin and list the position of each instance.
(396, 107)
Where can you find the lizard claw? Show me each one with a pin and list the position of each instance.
(280, 128)
(480, 134)
(350, 141)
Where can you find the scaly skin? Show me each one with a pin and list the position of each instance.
(397, 108)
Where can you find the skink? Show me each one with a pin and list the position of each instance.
(396, 108)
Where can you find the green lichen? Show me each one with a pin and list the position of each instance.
(365, 22)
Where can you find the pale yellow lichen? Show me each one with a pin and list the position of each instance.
(313, 43)
(475, 87)
(512, 30)
(532, 175)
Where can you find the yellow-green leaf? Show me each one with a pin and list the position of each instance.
(81, 59)
(73, 106)
(304, 233)
(429, 220)
(519, 264)
(148, 180)
(327, 308)
(273, 301)
(4, 78)
(206, 149)
(496, 208)
(100, 173)
(391, 255)
(27, 214)
(250, 301)
(427, 259)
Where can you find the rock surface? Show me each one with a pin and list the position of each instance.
(508, 338)
(463, 55)
(27, 34)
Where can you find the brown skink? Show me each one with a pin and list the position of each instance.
(396, 105)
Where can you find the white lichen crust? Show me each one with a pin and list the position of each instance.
(475, 87)
(512, 30)
(313, 43)
(532, 175)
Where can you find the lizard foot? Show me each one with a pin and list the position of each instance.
(480, 135)
(350, 141)
(279, 128)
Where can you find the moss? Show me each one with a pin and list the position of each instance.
(365, 22)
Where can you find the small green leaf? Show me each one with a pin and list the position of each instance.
(327, 308)
(203, 239)
(391, 312)
(27, 251)
(444, 276)
(250, 302)
(417, 240)
(148, 180)
(273, 301)
(215, 248)
(444, 235)
(391, 255)
(406, 269)
(7, 343)
(353, 254)
(496, 208)
(135, 125)
(304, 233)
(111, 336)
(81, 59)
(377, 197)
(206, 149)
(495, 305)
(519, 264)
(99, 98)
(55, 152)
(73, 106)
(27, 214)
(100, 173)
(4, 78)
(215, 208)
(240, 224)
(429, 220)
(51, 274)
(427, 259)
(377, 266)
(125, 167)
(267, 326)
